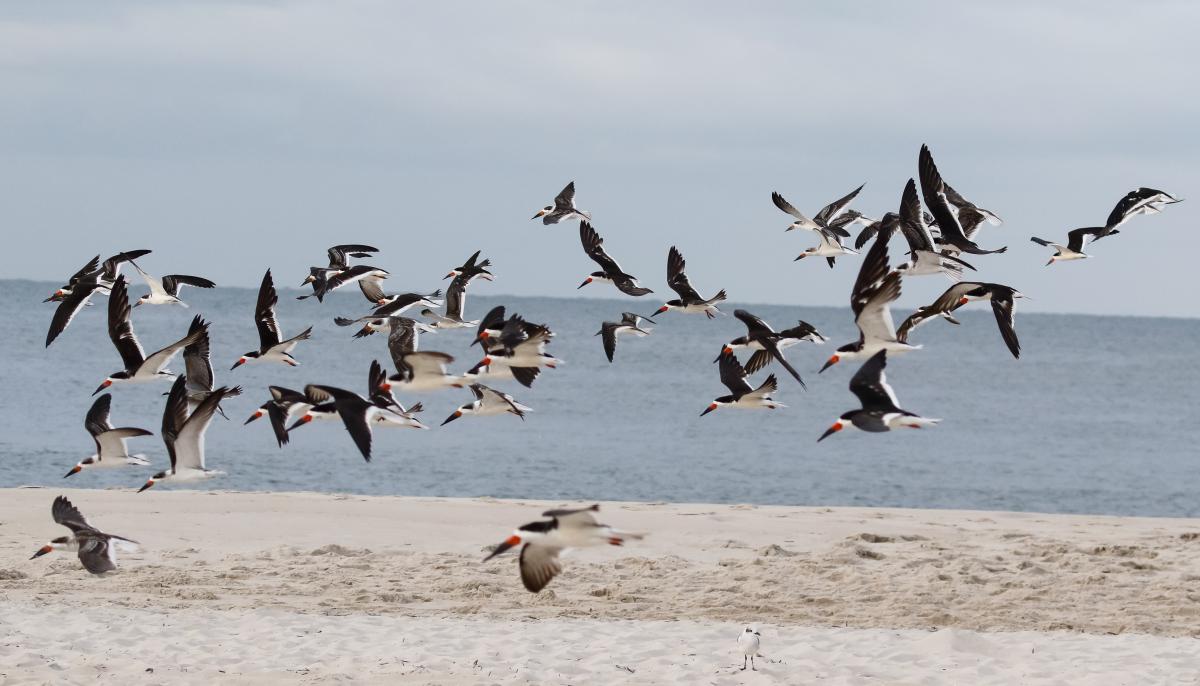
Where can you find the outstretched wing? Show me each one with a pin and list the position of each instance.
(733, 375)
(677, 279)
(264, 314)
(120, 328)
(1005, 310)
(172, 282)
(69, 516)
(830, 212)
(565, 200)
(593, 245)
(870, 384)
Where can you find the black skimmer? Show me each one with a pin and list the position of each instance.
(760, 337)
(271, 347)
(322, 279)
(924, 256)
(1003, 299)
(630, 324)
(933, 188)
(741, 394)
(95, 273)
(69, 305)
(749, 642)
(803, 331)
(489, 401)
(372, 324)
(875, 289)
(689, 300)
(197, 365)
(184, 434)
(488, 335)
(542, 541)
(357, 273)
(165, 291)
(96, 549)
(563, 208)
(394, 305)
(357, 414)
(825, 220)
(880, 409)
(138, 367)
(417, 370)
(830, 248)
(388, 411)
(610, 271)
(1138, 201)
(283, 404)
(1073, 250)
(456, 301)
(472, 268)
(521, 344)
(112, 448)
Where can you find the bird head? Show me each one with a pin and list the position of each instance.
(836, 427)
(507, 544)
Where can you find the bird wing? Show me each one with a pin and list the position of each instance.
(86, 271)
(264, 314)
(67, 308)
(593, 245)
(873, 270)
(575, 517)
(337, 254)
(155, 285)
(69, 516)
(159, 359)
(608, 334)
(175, 415)
(112, 442)
(196, 359)
(758, 361)
(1077, 238)
(456, 296)
(372, 290)
(96, 422)
(95, 552)
(112, 265)
(787, 207)
(120, 328)
(171, 283)
(733, 375)
(874, 318)
(1004, 308)
(833, 209)
(754, 324)
(870, 384)
(402, 339)
(539, 565)
(565, 200)
(349, 275)
(677, 279)
(189, 444)
(912, 220)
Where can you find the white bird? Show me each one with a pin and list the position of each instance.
(97, 550)
(166, 290)
(184, 435)
(111, 444)
(830, 247)
(749, 642)
(543, 541)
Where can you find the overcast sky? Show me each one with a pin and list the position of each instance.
(234, 136)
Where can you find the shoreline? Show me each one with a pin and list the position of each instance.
(974, 580)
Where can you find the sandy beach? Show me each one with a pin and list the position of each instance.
(307, 588)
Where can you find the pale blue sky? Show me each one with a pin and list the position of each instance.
(234, 136)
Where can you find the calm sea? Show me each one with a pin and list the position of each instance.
(1099, 415)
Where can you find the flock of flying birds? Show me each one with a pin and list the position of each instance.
(938, 223)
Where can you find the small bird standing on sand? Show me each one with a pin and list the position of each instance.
(749, 641)
(97, 550)
(542, 541)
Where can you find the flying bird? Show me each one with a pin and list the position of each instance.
(339, 272)
(357, 413)
(489, 401)
(759, 337)
(563, 208)
(741, 394)
(112, 448)
(271, 347)
(925, 258)
(689, 300)
(830, 248)
(630, 324)
(472, 268)
(825, 220)
(283, 405)
(96, 549)
(880, 408)
(456, 302)
(1003, 305)
(610, 271)
(543, 541)
(933, 188)
(1137, 201)
(165, 291)
(1073, 250)
(184, 435)
(102, 276)
(138, 367)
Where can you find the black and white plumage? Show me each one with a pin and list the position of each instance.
(741, 393)
(69, 305)
(1003, 299)
(112, 448)
(357, 413)
(417, 370)
(610, 271)
(1076, 239)
(96, 549)
(489, 401)
(802, 332)
(925, 258)
(543, 541)
(875, 289)
(472, 268)
(197, 363)
(271, 346)
(283, 405)
(760, 337)
(339, 272)
(100, 275)
(563, 208)
(825, 220)
(165, 291)
(630, 324)
(395, 305)
(520, 344)
(689, 300)
(388, 412)
(880, 408)
(933, 189)
(456, 303)
(1137, 201)
(830, 248)
(372, 324)
(139, 368)
(749, 642)
(183, 434)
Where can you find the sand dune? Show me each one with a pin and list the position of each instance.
(244, 582)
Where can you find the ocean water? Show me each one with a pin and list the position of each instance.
(1099, 415)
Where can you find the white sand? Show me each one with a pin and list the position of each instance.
(307, 588)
